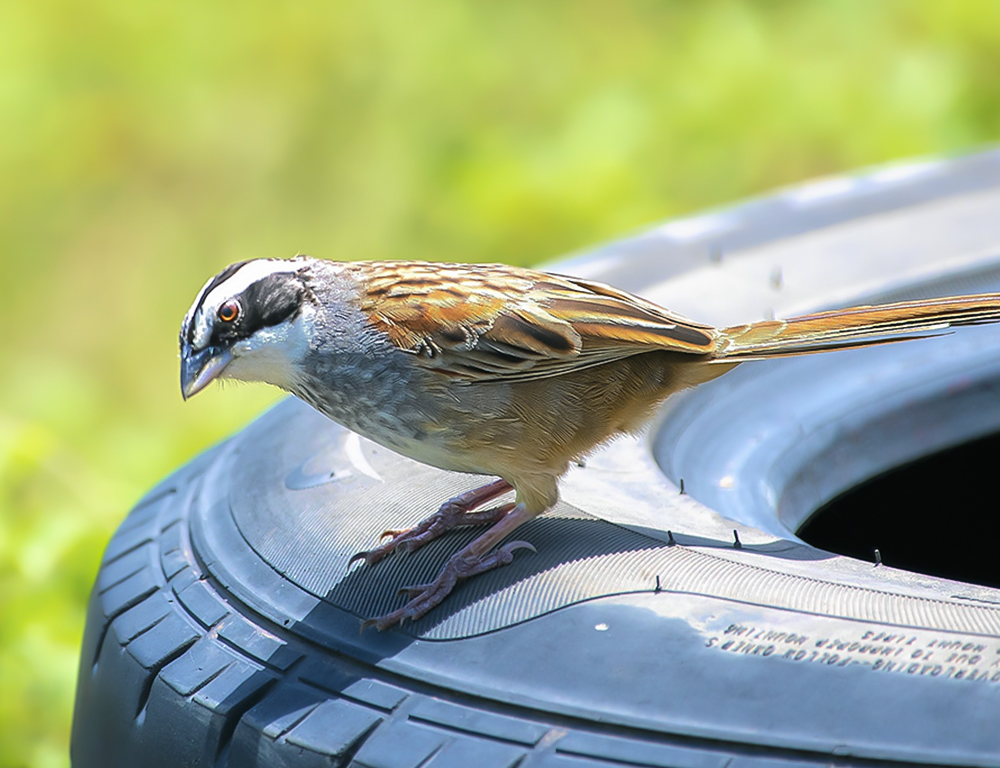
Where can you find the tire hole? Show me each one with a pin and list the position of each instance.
(937, 516)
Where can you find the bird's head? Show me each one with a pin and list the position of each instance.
(246, 324)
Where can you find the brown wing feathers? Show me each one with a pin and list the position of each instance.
(516, 323)
(602, 315)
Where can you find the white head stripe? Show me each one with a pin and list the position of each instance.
(193, 314)
(246, 276)
(234, 285)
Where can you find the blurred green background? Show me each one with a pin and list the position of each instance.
(143, 146)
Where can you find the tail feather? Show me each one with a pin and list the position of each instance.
(854, 327)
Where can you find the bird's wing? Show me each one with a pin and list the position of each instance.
(488, 322)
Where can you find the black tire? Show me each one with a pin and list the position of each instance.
(223, 629)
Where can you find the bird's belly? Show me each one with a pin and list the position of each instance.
(436, 454)
(421, 443)
(405, 428)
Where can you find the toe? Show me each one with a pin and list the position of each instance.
(413, 591)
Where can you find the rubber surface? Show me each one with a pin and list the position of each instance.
(224, 624)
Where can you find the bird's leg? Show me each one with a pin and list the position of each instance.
(454, 513)
(473, 559)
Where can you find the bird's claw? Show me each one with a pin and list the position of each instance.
(423, 597)
(513, 546)
(358, 556)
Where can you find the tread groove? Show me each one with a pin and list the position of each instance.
(426, 761)
(144, 543)
(126, 577)
(154, 672)
(151, 626)
(233, 719)
(609, 761)
(466, 732)
(110, 617)
(170, 525)
(294, 723)
(209, 679)
(355, 746)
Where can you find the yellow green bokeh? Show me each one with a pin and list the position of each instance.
(143, 146)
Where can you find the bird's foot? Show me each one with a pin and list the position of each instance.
(423, 597)
(454, 513)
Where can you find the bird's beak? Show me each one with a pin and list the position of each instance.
(198, 369)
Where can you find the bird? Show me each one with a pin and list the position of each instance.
(490, 369)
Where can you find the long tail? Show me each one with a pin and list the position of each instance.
(854, 327)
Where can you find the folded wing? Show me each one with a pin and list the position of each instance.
(487, 322)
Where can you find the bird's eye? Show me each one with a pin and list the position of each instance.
(229, 311)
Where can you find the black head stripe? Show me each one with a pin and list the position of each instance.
(267, 302)
(272, 300)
